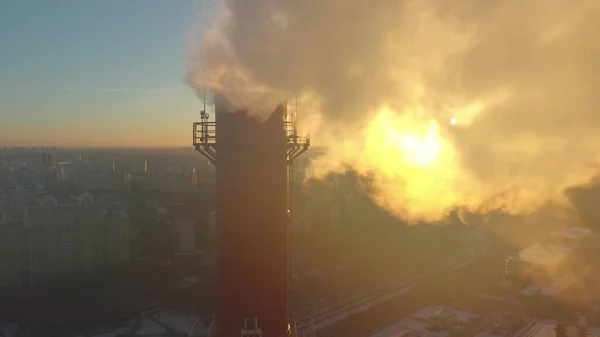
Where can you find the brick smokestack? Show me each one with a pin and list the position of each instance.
(252, 222)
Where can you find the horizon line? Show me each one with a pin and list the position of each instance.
(97, 90)
(116, 90)
(71, 147)
(97, 147)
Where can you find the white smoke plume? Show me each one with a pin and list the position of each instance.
(480, 104)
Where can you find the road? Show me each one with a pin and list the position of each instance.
(449, 286)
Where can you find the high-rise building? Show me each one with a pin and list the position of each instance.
(49, 159)
(13, 251)
(54, 238)
(14, 200)
(82, 235)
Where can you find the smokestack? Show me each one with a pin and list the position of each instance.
(252, 222)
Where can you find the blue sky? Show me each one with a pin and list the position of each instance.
(97, 72)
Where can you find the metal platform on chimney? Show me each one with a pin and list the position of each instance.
(205, 139)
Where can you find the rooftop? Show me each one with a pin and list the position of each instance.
(439, 321)
(573, 233)
(546, 328)
(558, 245)
(543, 254)
(557, 286)
(156, 323)
(439, 313)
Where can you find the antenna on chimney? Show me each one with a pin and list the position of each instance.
(204, 99)
(203, 111)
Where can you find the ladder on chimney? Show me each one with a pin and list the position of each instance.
(251, 328)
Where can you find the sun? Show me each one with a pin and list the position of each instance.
(404, 142)
(419, 151)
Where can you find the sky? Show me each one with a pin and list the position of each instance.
(97, 73)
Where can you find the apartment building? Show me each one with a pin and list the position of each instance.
(56, 238)
(14, 256)
(14, 200)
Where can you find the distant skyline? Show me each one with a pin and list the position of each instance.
(97, 73)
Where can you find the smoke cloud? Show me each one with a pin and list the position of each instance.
(478, 104)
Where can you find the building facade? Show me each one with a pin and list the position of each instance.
(14, 257)
(58, 238)
(185, 235)
(14, 200)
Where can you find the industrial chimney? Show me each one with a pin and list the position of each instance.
(251, 160)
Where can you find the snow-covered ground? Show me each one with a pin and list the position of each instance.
(480, 243)
(156, 323)
(8, 329)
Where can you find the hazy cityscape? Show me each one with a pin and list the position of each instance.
(309, 168)
(102, 242)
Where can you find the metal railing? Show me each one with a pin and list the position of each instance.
(299, 326)
(198, 330)
(205, 133)
(205, 140)
(302, 326)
